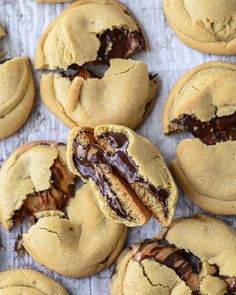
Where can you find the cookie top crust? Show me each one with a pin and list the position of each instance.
(34, 178)
(28, 282)
(83, 227)
(125, 95)
(206, 25)
(89, 31)
(17, 94)
(204, 93)
(180, 263)
(127, 169)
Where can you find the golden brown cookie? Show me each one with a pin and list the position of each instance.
(126, 170)
(193, 256)
(2, 34)
(203, 103)
(17, 92)
(205, 25)
(28, 282)
(125, 95)
(87, 32)
(36, 184)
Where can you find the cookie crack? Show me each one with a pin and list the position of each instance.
(52, 232)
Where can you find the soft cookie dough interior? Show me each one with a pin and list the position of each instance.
(205, 25)
(201, 262)
(28, 282)
(89, 31)
(125, 95)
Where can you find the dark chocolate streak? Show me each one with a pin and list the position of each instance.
(231, 281)
(185, 264)
(119, 43)
(128, 170)
(219, 129)
(77, 71)
(86, 163)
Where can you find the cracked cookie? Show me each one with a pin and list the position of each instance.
(127, 172)
(125, 95)
(36, 184)
(17, 92)
(89, 32)
(28, 282)
(2, 34)
(199, 262)
(207, 25)
(203, 103)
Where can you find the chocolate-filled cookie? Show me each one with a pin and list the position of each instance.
(193, 256)
(125, 95)
(205, 25)
(89, 32)
(127, 172)
(203, 103)
(36, 184)
(17, 92)
(28, 282)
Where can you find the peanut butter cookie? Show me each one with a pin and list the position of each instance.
(126, 170)
(205, 25)
(199, 262)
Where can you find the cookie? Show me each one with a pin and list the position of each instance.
(127, 172)
(17, 92)
(193, 256)
(37, 184)
(88, 32)
(207, 26)
(28, 282)
(203, 103)
(2, 34)
(125, 95)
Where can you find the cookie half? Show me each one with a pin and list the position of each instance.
(17, 92)
(28, 282)
(127, 171)
(37, 184)
(125, 95)
(88, 32)
(199, 262)
(203, 103)
(207, 26)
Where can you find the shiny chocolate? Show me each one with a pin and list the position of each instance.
(119, 43)
(219, 129)
(185, 264)
(87, 159)
(128, 170)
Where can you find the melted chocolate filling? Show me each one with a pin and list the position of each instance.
(55, 198)
(128, 170)
(185, 264)
(231, 281)
(77, 71)
(86, 160)
(119, 43)
(219, 129)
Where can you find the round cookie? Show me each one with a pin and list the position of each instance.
(28, 282)
(36, 183)
(125, 95)
(17, 92)
(88, 32)
(128, 173)
(193, 256)
(203, 102)
(204, 25)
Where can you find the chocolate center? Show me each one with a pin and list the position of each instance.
(128, 170)
(219, 129)
(185, 264)
(55, 198)
(77, 71)
(119, 43)
(87, 160)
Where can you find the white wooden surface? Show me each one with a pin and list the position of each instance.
(25, 20)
